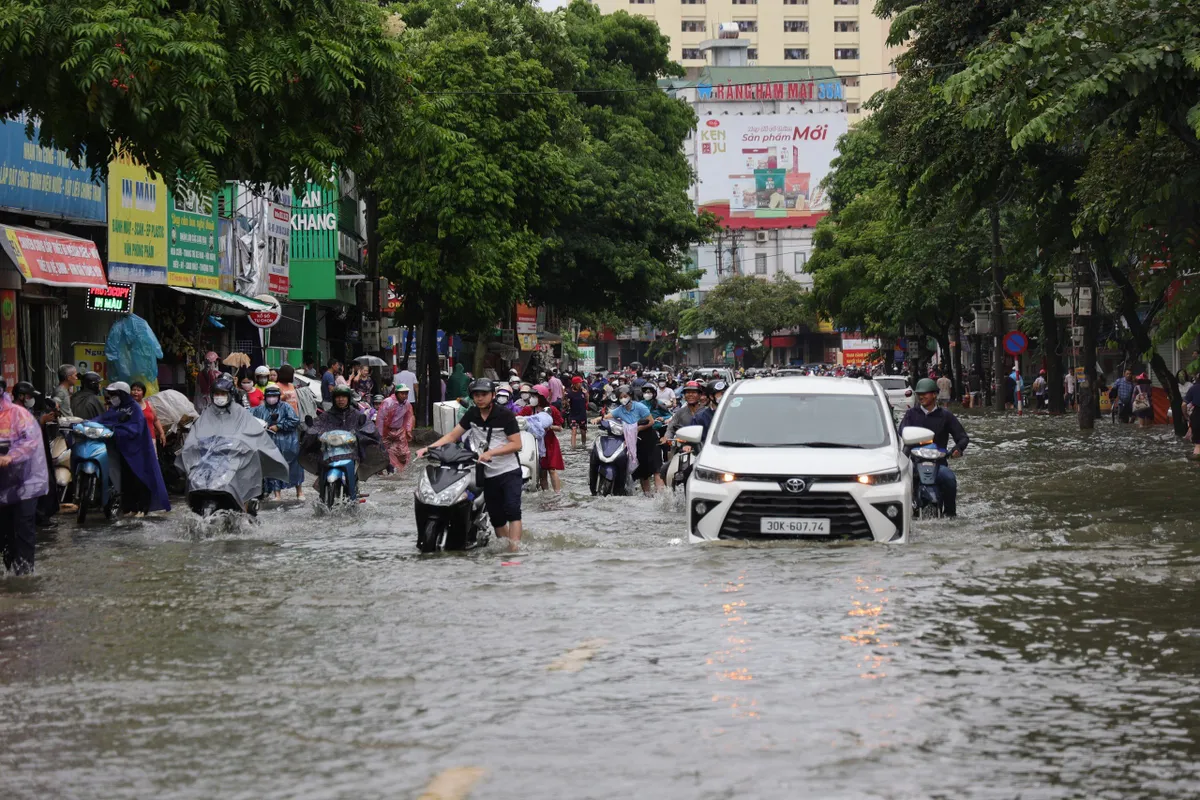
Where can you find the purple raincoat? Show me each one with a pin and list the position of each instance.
(26, 478)
(133, 440)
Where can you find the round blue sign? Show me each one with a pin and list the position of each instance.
(1015, 343)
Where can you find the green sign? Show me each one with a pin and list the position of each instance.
(193, 259)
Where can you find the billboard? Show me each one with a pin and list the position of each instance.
(766, 171)
(43, 181)
(193, 259)
(137, 224)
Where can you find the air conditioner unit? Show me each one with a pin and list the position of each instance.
(761, 237)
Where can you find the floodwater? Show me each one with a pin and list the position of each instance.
(1044, 645)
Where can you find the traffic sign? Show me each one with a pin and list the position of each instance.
(267, 317)
(1015, 343)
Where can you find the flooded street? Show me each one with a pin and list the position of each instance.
(1046, 644)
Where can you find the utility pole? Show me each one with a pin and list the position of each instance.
(735, 243)
(720, 253)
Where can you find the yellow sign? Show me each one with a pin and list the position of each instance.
(137, 224)
(824, 326)
(527, 341)
(89, 357)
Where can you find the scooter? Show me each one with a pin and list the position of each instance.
(339, 454)
(89, 465)
(212, 484)
(60, 457)
(450, 509)
(531, 464)
(679, 469)
(927, 497)
(609, 463)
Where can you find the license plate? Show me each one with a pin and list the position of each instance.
(797, 526)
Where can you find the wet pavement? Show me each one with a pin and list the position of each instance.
(1044, 645)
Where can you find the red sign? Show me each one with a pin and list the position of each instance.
(116, 297)
(267, 317)
(779, 90)
(8, 336)
(54, 259)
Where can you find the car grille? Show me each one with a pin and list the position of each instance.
(846, 520)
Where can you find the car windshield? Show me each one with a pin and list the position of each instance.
(892, 383)
(794, 420)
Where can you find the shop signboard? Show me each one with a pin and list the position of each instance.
(587, 359)
(527, 327)
(193, 260)
(8, 336)
(857, 351)
(767, 167)
(53, 259)
(42, 180)
(89, 357)
(137, 224)
(279, 236)
(115, 297)
(226, 247)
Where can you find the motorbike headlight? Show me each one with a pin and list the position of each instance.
(928, 453)
(337, 439)
(713, 476)
(878, 478)
(445, 497)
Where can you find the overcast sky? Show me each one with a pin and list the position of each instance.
(549, 4)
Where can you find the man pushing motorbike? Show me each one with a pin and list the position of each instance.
(927, 414)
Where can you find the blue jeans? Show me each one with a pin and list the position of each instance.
(947, 485)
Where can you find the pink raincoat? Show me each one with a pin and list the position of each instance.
(26, 477)
(395, 423)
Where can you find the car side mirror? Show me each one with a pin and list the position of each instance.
(914, 436)
(692, 434)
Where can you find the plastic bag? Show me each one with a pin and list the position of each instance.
(170, 406)
(133, 352)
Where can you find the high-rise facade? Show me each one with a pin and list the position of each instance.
(842, 34)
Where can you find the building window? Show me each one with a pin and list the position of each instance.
(845, 53)
(760, 263)
(845, 26)
(851, 108)
(692, 54)
(745, 2)
(752, 53)
(795, 2)
(801, 262)
(795, 54)
(845, 2)
(641, 2)
(692, 2)
(850, 81)
(693, 26)
(747, 25)
(795, 25)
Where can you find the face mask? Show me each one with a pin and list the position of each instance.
(626, 401)
(114, 401)
(524, 395)
(647, 396)
(662, 386)
(221, 400)
(247, 387)
(533, 401)
(262, 381)
(29, 402)
(271, 401)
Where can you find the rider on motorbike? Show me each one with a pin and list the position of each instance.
(344, 415)
(715, 391)
(944, 425)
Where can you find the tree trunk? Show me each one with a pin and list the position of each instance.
(997, 309)
(1143, 340)
(409, 346)
(376, 298)
(477, 366)
(956, 375)
(430, 377)
(1051, 344)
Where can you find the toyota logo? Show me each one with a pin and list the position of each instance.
(795, 485)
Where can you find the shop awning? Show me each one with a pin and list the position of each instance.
(227, 298)
(53, 258)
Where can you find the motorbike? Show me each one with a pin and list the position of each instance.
(339, 454)
(60, 456)
(450, 509)
(226, 459)
(679, 469)
(90, 470)
(927, 499)
(531, 464)
(609, 463)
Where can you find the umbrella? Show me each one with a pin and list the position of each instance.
(371, 361)
(236, 360)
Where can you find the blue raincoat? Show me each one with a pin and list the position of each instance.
(132, 438)
(287, 439)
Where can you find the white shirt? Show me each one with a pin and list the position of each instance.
(666, 395)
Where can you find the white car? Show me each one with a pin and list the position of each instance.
(802, 458)
(899, 393)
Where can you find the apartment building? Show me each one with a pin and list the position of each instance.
(842, 34)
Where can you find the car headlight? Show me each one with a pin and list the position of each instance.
(714, 476)
(337, 439)
(878, 478)
(445, 497)
(928, 453)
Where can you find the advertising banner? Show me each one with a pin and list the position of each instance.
(279, 237)
(53, 259)
(857, 351)
(89, 357)
(527, 327)
(587, 359)
(137, 224)
(116, 297)
(8, 336)
(226, 247)
(767, 167)
(193, 260)
(43, 180)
